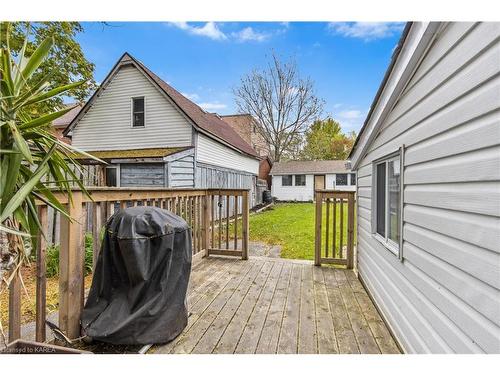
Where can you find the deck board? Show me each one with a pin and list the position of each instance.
(266, 305)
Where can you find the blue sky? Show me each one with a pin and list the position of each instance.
(205, 61)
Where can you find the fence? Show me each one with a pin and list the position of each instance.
(217, 217)
(334, 227)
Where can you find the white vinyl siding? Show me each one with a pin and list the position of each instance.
(210, 151)
(444, 296)
(108, 123)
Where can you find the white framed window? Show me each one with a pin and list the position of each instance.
(341, 179)
(138, 112)
(387, 202)
(300, 180)
(286, 180)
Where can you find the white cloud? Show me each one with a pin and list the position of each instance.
(210, 30)
(350, 114)
(213, 31)
(349, 117)
(212, 106)
(249, 34)
(366, 30)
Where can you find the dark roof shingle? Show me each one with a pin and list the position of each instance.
(207, 121)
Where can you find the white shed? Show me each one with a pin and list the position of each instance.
(428, 167)
(297, 180)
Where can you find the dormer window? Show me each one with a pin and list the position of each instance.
(138, 112)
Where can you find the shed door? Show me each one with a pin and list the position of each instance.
(137, 175)
(319, 182)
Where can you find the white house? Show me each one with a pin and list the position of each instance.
(151, 135)
(297, 180)
(428, 187)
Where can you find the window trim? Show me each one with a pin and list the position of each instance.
(118, 173)
(291, 181)
(389, 244)
(346, 179)
(295, 179)
(132, 112)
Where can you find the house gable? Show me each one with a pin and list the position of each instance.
(105, 123)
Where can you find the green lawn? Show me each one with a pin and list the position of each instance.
(291, 225)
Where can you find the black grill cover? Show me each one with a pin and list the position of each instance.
(138, 292)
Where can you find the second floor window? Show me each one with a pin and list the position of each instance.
(138, 112)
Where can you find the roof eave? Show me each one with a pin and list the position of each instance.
(414, 41)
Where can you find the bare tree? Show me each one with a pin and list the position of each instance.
(283, 103)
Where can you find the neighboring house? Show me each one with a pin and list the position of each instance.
(60, 124)
(428, 167)
(151, 135)
(297, 180)
(248, 129)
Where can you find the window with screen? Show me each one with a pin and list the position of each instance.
(286, 180)
(353, 178)
(388, 201)
(341, 179)
(138, 112)
(300, 180)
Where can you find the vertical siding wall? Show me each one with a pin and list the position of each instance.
(444, 297)
(108, 125)
(181, 172)
(214, 177)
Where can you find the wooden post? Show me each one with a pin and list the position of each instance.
(350, 231)
(96, 232)
(15, 307)
(41, 281)
(245, 232)
(327, 226)
(319, 218)
(235, 210)
(206, 223)
(71, 260)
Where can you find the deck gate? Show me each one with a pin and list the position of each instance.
(334, 224)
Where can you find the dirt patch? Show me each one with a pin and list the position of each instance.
(28, 301)
(262, 249)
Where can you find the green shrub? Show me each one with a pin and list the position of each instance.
(53, 257)
(52, 253)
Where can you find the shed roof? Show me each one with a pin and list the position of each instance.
(314, 166)
(130, 154)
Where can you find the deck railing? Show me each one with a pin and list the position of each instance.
(219, 225)
(334, 223)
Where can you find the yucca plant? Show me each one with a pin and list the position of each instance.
(31, 156)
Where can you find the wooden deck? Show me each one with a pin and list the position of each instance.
(266, 305)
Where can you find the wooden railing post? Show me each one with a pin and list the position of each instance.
(96, 231)
(206, 223)
(15, 307)
(71, 261)
(41, 280)
(318, 196)
(350, 231)
(245, 225)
